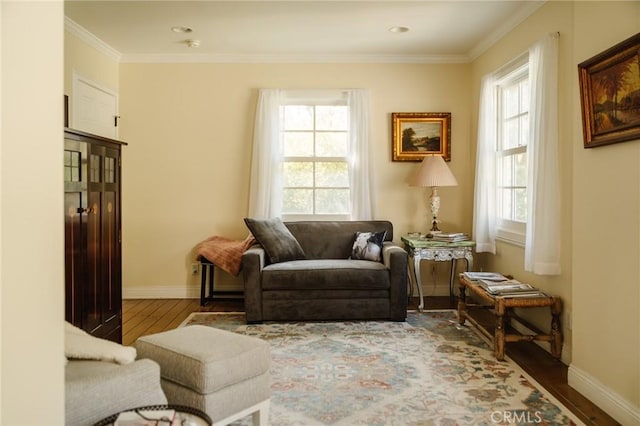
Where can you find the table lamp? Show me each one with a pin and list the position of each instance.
(433, 172)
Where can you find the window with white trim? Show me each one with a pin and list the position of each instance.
(517, 188)
(511, 162)
(315, 140)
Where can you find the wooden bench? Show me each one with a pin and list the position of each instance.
(502, 308)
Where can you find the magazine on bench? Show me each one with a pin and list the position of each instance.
(487, 276)
(507, 286)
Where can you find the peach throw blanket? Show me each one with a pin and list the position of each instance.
(224, 252)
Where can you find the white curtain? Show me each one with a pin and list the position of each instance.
(265, 192)
(542, 249)
(484, 206)
(361, 178)
(542, 246)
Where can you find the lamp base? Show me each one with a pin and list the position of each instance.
(434, 204)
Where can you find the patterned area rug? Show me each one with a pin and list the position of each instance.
(427, 371)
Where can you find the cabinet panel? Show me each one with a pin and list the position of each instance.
(92, 234)
(75, 165)
(74, 256)
(112, 267)
(92, 312)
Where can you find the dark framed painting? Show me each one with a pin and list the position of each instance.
(610, 94)
(418, 134)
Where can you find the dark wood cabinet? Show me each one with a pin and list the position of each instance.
(92, 222)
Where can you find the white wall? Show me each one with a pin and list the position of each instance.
(509, 259)
(186, 168)
(31, 226)
(600, 280)
(186, 177)
(189, 129)
(606, 229)
(89, 60)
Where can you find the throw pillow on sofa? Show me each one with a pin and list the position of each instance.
(278, 242)
(368, 246)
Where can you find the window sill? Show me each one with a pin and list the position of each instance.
(511, 237)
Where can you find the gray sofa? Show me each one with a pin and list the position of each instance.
(95, 390)
(325, 283)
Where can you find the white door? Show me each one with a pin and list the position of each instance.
(94, 109)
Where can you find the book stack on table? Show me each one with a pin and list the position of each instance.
(500, 286)
(451, 237)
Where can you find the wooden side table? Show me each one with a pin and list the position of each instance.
(502, 308)
(206, 266)
(420, 248)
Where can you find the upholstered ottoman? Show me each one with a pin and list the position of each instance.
(221, 373)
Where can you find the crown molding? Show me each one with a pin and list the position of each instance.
(83, 34)
(299, 58)
(504, 29)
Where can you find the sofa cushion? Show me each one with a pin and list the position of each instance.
(326, 274)
(333, 239)
(276, 239)
(368, 246)
(325, 309)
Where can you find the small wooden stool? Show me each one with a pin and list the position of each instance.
(206, 266)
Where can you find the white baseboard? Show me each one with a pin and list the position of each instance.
(161, 292)
(168, 292)
(616, 406)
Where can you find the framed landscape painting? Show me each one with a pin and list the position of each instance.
(418, 134)
(610, 94)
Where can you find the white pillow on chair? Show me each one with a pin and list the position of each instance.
(78, 344)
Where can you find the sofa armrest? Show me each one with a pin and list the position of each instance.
(392, 250)
(255, 253)
(253, 261)
(396, 259)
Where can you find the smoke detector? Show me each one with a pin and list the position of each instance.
(192, 43)
(178, 29)
(398, 30)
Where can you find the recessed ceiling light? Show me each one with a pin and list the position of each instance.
(398, 29)
(193, 43)
(181, 29)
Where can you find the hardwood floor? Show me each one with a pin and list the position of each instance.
(148, 316)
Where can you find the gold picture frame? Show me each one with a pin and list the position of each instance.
(610, 94)
(418, 134)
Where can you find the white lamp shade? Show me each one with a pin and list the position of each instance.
(433, 171)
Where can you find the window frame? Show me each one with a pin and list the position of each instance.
(510, 231)
(315, 102)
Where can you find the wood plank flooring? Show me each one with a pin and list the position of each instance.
(141, 317)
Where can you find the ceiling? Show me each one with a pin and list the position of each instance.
(302, 30)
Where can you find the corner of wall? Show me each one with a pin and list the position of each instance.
(614, 404)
